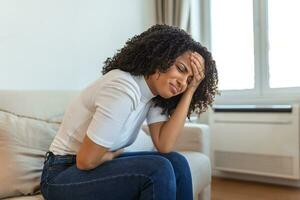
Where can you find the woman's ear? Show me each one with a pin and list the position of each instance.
(157, 74)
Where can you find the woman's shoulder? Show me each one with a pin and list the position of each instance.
(120, 78)
(122, 81)
(115, 84)
(115, 74)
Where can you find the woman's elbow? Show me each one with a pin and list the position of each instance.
(84, 164)
(164, 150)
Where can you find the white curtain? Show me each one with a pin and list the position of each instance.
(175, 13)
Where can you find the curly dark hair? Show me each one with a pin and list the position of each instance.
(157, 48)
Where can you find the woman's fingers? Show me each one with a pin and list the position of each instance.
(200, 59)
(118, 152)
(197, 63)
(197, 78)
(194, 69)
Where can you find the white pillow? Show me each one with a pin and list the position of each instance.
(23, 144)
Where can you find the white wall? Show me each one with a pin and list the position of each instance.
(62, 44)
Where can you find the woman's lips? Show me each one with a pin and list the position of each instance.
(173, 89)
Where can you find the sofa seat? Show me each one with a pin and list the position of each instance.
(42, 110)
(200, 170)
(32, 197)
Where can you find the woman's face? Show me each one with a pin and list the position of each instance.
(175, 80)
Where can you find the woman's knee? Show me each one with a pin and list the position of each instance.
(160, 164)
(176, 159)
(179, 163)
(161, 172)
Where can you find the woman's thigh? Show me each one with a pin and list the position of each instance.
(177, 160)
(184, 187)
(126, 177)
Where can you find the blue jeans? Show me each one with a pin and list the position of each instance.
(132, 175)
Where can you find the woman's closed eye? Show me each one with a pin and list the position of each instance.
(189, 80)
(181, 68)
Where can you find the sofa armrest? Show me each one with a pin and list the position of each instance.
(194, 137)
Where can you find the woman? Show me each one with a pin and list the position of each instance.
(161, 75)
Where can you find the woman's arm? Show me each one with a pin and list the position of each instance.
(113, 106)
(165, 134)
(91, 155)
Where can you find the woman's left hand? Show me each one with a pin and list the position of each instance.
(198, 67)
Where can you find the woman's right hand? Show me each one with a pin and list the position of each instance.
(118, 152)
(109, 155)
(198, 68)
(91, 155)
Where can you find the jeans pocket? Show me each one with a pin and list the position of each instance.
(58, 165)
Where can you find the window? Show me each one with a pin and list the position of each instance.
(284, 41)
(232, 43)
(255, 44)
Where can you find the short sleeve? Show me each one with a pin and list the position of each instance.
(154, 115)
(114, 103)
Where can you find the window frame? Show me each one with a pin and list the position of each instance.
(262, 93)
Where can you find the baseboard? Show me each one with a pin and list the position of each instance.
(262, 179)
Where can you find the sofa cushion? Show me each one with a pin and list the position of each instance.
(23, 144)
(32, 197)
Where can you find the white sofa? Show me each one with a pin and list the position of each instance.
(30, 119)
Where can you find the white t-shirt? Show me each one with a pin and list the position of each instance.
(110, 111)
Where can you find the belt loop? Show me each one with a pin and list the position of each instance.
(47, 156)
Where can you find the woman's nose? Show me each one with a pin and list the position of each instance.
(182, 82)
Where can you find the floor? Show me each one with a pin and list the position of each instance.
(228, 189)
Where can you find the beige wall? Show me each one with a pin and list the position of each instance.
(61, 44)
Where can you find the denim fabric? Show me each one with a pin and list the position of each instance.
(132, 175)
